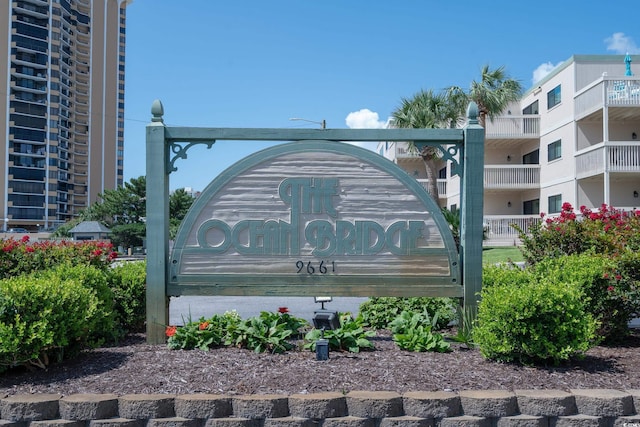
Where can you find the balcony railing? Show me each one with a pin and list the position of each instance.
(612, 157)
(610, 91)
(511, 176)
(516, 127)
(442, 186)
(499, 228)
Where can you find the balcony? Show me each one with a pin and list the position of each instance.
(607, 91)
(609, 157)
(513, 127)
(442, 187)
(500, 231)
(511, 177)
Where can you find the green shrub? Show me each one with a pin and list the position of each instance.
(107, 328)
(610, 296)
(128, 284)
(379, 312)
(350, 336)
(537, 322)
(412, 332)
(43, 318)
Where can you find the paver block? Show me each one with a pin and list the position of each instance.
(549, 403)
(630, 421)
(290, 422)
(57, 423)
(406, 421)
(435, 404)
(523, 421)
(374, 404)
(580, 421)
(173, 422)
(203, 406)
(146, 406)
(603, 402)
(30, 407)
(89, 406)
(465, 421)
(260, 406)
(232, 422)
(349, 421)
(116, 422)
(318, 405)
(488, 403)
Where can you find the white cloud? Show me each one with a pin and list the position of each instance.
(365, 119)
(542, 71)
(621, 44)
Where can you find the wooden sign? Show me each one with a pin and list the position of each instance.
(314, 218)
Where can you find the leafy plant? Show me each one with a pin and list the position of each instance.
(351, 336)
(466, 322)
(413, 332)
(267, 332)
(379, 312)
(540, 321)
(203, 334)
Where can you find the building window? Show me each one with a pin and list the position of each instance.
(531, 109)
(532, 158)
(531, 207)
(442, 173)
(555, 203)
(554, 150)
(553, 97)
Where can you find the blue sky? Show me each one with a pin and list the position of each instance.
(253, 63)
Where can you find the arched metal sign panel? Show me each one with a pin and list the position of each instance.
(314, 218)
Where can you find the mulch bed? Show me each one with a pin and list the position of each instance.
(136, 367)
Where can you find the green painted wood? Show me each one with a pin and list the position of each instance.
(157, 304)
(439, 136)
(472, 206)
(341, 290)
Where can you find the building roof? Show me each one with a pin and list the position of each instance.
(90, 227)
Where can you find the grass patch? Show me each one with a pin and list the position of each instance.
(494, 255)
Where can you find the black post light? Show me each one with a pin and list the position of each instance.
(325, 320)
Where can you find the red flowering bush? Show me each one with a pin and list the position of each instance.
(21, 256)
(608, 268)
(606, 231)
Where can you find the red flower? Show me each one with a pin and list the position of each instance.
(97, 252)
(283, 310)
(171, 331)
(203, 326)
(610, 289)
(618, 277)
(605, 276)
(29, 249)
(25, 239)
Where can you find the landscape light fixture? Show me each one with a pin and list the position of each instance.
(326, 320)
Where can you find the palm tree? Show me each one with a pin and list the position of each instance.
(493, 93)
(426, 109)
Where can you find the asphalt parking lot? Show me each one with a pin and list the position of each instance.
(183, 308)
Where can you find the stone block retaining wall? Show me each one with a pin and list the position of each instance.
(488, 408)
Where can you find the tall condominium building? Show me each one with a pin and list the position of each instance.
(572, 137)
(62, 110)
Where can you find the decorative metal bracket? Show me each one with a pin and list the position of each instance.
(448, 152)
(179, 149)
